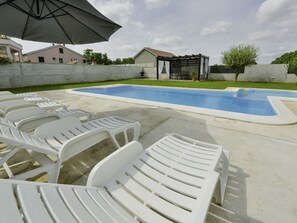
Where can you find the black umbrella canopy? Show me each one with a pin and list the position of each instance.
(55, 21)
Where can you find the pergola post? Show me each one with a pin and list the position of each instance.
(157, 68)
(199, 66)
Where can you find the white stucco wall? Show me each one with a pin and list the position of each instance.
(22, 74)
(259, 73)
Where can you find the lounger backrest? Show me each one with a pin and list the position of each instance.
(14, 137)
(24, 113)
(52, 128)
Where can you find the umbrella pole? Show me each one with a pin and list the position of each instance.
(37, 6)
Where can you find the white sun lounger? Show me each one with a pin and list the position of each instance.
(12, 105)
(63, 139)
(33, 97)
(28, 94)
(131, 185)
(8, 97)
(28, 119)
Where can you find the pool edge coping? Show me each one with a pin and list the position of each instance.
(284, 115)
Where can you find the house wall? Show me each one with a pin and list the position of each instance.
(259, 73)
(68, 56)
(26, 74)
(145, 57)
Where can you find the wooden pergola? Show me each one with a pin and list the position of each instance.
(180, 67)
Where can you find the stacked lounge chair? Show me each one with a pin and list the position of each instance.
(171, 181)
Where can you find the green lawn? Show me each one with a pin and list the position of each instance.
(188, 84)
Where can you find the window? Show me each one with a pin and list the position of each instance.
(54, 58)
(41, 59)
(60, 60)
(61, 50)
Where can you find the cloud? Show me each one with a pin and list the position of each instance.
(118, 10)
(138, 25)
(167, 41)
(152, 4)
(130, 48)
(280, 12)
(261, 35)
(217, 27)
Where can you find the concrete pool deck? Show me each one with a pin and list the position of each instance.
(262, 183)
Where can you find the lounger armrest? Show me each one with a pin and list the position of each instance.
(107, 168)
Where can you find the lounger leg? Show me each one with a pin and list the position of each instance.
(114, 140)
(221, 187)
(136, 132)
(53, 173)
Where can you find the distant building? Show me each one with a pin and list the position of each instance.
(149, 55)
(11, 49)
(53, 55)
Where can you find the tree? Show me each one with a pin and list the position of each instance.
(127, 60)
(237, 57)
(96, 57)
(285, 58)
(88, 55)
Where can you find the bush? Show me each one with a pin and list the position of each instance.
(5, 60)
(292, 67)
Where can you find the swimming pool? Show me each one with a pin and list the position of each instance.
(253, 102)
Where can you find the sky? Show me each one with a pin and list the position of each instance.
(195, 26)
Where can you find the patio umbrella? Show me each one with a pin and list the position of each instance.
(55, 21)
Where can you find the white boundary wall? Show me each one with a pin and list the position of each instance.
(259, 73)
(23, 74)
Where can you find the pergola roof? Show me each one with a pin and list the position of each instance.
(185, 57)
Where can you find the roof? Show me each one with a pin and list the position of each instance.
(51, 47)
(156, 53)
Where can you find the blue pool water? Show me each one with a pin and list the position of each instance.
(247, 101)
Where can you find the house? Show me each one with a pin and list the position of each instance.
(149, 55)
(11, 49)
(169, 66)
(54, 54)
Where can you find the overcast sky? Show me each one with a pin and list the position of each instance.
(195, 26)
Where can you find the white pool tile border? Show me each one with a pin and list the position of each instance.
(284, 115)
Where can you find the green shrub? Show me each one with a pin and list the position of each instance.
(292, 67)
(5, 60)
